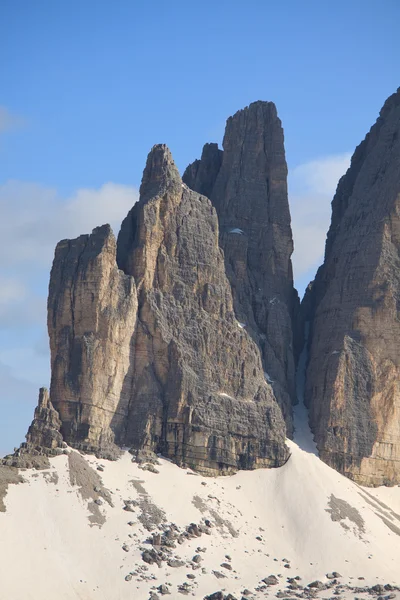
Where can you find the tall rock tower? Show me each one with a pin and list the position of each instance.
(247, 184)
(146, 350)
(353, 375)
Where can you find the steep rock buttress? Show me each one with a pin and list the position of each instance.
(146, 350)
(247, 184)
(353, 375)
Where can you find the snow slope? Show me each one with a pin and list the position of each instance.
(303, 515)
(49, 549)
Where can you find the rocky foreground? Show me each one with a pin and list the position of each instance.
(141, 527)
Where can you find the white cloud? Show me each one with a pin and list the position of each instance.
(34, 218)
(8, 120)
(321, 176)
(312, 186)
(11, 290)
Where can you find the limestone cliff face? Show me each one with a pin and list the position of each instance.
(353, 375)
(92, 310)
(145, 347)
(247, 184)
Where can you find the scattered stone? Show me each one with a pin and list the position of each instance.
(218, 575)
(150, 557)
(149, 467)
(197, 558)
(175, 563)
(317, 585)
(379, 588)
(271, 580)
(184, 588)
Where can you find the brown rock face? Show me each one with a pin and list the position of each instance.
(92, 310)
(151, 355)
(247, 184)
(353, 374)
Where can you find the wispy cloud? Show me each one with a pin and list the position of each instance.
(33, 219)
(9, 120)
(312, 186)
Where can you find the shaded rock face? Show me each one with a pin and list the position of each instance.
(353, 375)
(145, 347)
(247, 184)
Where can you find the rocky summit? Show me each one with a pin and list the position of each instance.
(247, 184)
(180, 337)
(146, 349)
(353, 375)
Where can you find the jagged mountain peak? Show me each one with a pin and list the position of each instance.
(160, 173)
(354, 370)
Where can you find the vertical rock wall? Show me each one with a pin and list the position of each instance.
(353, 376)
(247, 184)
(149, 353)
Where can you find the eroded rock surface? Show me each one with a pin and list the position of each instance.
(247, 184)
(43, 439)
(150, 354)
(353, 374)
(92, 310)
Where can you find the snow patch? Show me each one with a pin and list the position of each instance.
(268, 378)
(225, 395)
(285, 512)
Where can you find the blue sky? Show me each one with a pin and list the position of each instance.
(88, 87)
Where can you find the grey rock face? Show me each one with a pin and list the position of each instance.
(197, 370)
(354, 366)
(145, 347)
(247, 184)
(42, 440)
